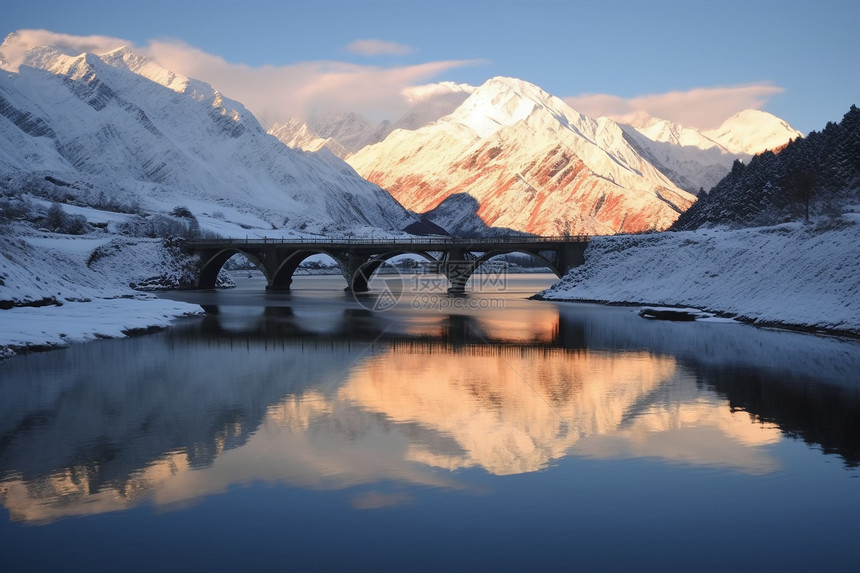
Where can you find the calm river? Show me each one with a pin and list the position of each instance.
(307, 431)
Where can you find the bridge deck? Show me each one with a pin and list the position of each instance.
(426, 243)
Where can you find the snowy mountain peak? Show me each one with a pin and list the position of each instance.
(346, 133)
(501, 102)
(696, 159)
(529, 162)
(665, 131)
(753, 131)
(297, 134)
(126, 58)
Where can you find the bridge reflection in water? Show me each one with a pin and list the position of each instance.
(233, 399)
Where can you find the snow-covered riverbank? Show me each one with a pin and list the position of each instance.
(792, 275)
(66, 289)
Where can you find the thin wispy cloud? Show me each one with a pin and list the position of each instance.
(276, 93)
(702, 108)
(378, 48)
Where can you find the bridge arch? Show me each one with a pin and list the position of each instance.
(211, 265)
(282, 277)
(361, 278)
(537, 255)
(459, 272)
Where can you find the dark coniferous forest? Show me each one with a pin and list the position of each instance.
(818, 175)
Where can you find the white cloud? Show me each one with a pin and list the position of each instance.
(16, 45)
(428, 92)
(275, 93)
(372, 47)
(702, 108)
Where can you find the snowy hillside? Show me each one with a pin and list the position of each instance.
(532, 163)
(119, 125)
(805, 276)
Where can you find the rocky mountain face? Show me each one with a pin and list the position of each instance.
(117, 127)
(815, 175)
(532, 164)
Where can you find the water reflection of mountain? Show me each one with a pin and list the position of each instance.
(819, 414)
(806, 385)
(335, 399)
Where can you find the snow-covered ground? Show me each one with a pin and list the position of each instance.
(79, 288)
(793, 275)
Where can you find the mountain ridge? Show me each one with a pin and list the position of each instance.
(694, 160)
(121, 123)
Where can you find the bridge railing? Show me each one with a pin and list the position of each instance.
(355, 241)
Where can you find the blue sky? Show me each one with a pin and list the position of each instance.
(697, 60)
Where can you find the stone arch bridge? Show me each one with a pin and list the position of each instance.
(358, 259)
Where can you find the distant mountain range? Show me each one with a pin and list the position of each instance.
(530, 163)
(118, 128)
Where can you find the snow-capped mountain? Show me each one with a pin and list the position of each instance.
(752, 131)
(119, 124)
(531, 162)
(340, 133)
(346, 133)
(297, 134)
(692, 161)
(697, 160)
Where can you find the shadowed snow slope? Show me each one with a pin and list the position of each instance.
(793, 274)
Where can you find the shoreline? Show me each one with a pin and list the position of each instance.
(750, 321)
(28, 330)
(108, 327)
(794, 276)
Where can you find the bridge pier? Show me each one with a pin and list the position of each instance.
(354, 268)
(458, 265)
